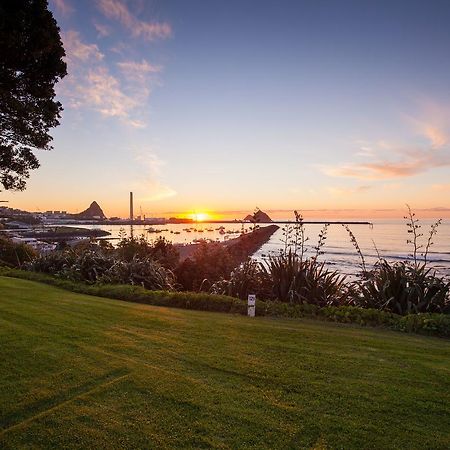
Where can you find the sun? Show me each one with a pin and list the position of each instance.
(200, 216)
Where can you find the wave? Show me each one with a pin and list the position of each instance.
(433, 257)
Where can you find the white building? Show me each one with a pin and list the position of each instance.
(40, 246)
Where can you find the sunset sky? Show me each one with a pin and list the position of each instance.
(336, 108)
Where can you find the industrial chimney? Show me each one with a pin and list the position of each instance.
(131, 207)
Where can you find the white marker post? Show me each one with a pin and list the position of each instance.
(251, 305)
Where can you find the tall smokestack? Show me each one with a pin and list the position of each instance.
(131, 206)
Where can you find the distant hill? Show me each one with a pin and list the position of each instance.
(93, 212)
(258, 217)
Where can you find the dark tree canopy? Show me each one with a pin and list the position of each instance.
(31, 62)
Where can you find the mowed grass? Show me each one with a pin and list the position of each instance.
(85, 372)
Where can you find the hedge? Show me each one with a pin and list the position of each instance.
(426, 323)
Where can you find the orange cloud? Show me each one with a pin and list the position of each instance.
(118, 10)
(432, 123)
(411, 163)
(345, 191)
(442, 187)
(437, 137)
(384, 160)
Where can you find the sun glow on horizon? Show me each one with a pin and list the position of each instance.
(200, 216)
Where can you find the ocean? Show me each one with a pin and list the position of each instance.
(389, 237)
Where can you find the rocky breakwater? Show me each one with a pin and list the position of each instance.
(240, 248)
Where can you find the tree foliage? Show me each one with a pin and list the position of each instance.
(31, 63)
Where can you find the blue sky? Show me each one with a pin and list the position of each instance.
(225, 105)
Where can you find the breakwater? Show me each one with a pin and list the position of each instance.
(241, 247)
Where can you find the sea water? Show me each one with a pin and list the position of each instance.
(386, 237)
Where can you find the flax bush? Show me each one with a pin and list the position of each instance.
(403, 288)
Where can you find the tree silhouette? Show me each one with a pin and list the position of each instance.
(31, 64)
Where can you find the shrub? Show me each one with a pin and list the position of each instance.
(160, 250)
(52, 262)
(403, 288)
(297, 280)
(359, 316)
(91, 266)
(210, 263)
(430, 324)
(246, 279)
(15, 254)
(141, 271)
(213, 262)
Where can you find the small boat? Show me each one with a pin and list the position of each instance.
(153, 230)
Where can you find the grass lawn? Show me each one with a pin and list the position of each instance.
(87, 372)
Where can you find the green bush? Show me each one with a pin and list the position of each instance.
(210, 263)
(138, 294)
(94, 266)
(160, 250)
(15, 255)
(248, 278)
(403, 288)
(359, 316)
(286, 278)
(429, 324)
(296, 280)
(281, 309)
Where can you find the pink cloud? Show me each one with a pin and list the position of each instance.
(103, 92)
(118, 10)
(77, 51)
(63, 7)
(138, 71)
(385, 161)
(91, 85)
(437, 137)
(383, 169)
(148, 184)
(442, 187)
(102, 29)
